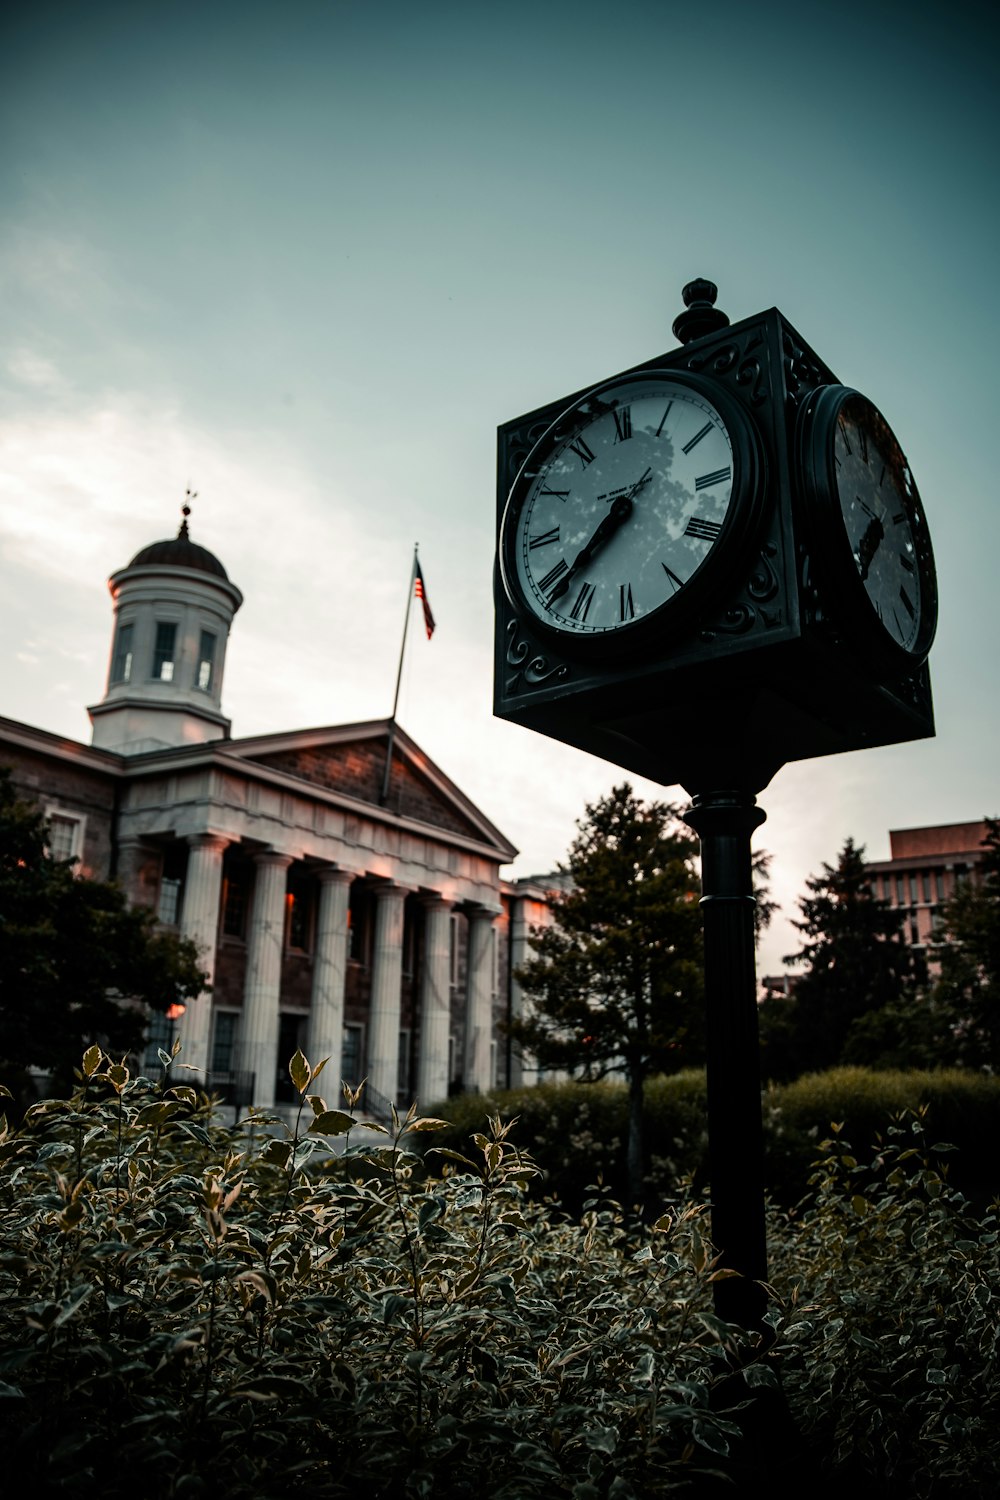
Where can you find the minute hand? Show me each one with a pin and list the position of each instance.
(619, 513)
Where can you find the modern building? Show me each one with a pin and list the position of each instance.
(364, 924)
(925, 868)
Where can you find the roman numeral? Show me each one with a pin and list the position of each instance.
(899, 518)
(678, 583)
(704, 480)
(664, 418)
(698, 437)
(907, 602)
(863, 438)
(562, 495)
(623, 423)
(626, 607)
(907, 563)
(543, 538)
(843, 433)
(553, 575)
(582, 605)
(704, 531)
(582, 452)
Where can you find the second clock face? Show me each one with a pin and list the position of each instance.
(877, 502)
(620, 506)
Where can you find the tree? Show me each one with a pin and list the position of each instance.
(967, 993)
(73, 955)
(616, 980)
(856, 964)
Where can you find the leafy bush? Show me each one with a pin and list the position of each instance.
(576, 1131)
(889, 1353)
(241, 1312)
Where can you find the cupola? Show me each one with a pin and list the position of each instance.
(173, 606)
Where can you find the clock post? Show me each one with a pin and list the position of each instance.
(709, 565)
(724, 822)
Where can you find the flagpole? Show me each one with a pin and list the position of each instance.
(399, 678)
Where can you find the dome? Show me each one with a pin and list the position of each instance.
(179, 552)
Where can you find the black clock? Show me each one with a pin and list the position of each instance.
(631, 510)
(867, 531)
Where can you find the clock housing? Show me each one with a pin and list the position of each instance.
(759, 666)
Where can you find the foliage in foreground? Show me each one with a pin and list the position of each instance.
(240, 1312)
(889, 1353)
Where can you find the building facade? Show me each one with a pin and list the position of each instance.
(925, 868)
(366, 925)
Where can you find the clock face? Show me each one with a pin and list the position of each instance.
(871, 542)
(878, 501)
(622, 506)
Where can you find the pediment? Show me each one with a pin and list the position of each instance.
(349, 760)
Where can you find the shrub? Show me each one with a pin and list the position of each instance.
(890, 1346)
(576, 1131)
(241, 1312)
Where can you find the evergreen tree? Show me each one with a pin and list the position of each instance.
(74, 957)
(616, 980)
(856, 964)
(967, 993)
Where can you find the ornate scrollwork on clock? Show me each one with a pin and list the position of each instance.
(738, 359)
(533, 672)
(763, 584)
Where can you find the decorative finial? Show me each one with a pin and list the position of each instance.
(701, 315)
(189, 495)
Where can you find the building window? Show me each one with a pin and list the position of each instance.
(927, 886)
(900, 891)
(298, 919)
(914, 896)
(121, 661)
(206, 660)
(403, 1068)
(359, 924)
(234, 906)
(453, 955)
(169, 906)
(65, 836)
(939, 884)
(224, 1040)
(159, 1033)
(163, 652)
(350, 1061)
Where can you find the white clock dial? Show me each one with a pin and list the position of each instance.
(623, 510)
(876, 493)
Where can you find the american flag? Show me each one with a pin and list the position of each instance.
(421, 592)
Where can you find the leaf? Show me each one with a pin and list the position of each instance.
(70, 1304)
(760, 1375)
(426, 1122)
(453, 1156)
(91, 1061)
(332, 1122)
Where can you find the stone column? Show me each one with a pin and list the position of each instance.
(435, 1003)
(479, 1003)
(200, 923)
(387, 975)
(326, 1016)
(258, 1050)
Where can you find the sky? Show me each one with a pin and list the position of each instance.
(306, 258)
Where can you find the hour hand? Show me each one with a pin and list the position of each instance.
(619, 512)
